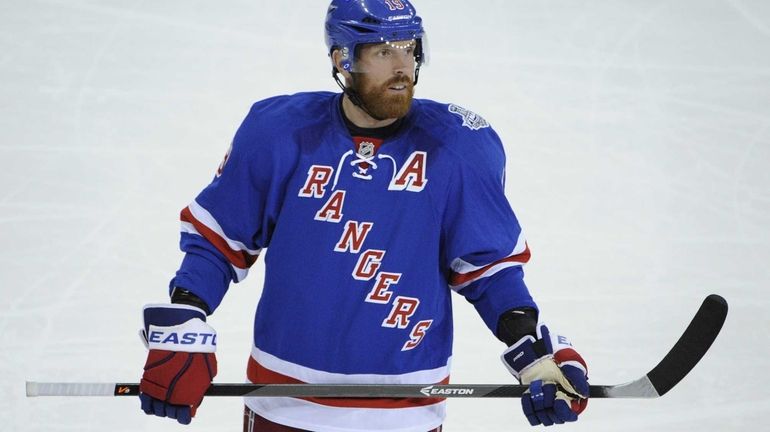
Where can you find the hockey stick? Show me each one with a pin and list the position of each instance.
(682, 358)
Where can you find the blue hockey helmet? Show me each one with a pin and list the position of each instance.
(350, 23)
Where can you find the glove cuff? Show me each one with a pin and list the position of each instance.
(177, 327)
(523, 354)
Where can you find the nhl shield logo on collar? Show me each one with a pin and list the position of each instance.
(471, 120)
(366, 149)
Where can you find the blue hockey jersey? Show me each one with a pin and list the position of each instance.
(364, 245)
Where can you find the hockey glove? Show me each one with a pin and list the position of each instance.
(181, 362)
(556, 375)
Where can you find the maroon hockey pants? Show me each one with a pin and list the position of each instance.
(252, 422)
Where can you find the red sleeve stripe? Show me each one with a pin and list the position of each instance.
(259, 374)
(461, 280)
(237, 254)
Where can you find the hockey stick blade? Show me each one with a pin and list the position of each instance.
(686, 353)
(682, 358)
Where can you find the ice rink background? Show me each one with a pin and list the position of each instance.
(638, 141)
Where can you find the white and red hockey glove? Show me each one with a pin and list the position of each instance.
(556, 374)
(181, 362)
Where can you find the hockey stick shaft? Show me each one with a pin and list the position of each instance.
(303, 390)
(680, 360)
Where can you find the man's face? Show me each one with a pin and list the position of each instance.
(385, 77)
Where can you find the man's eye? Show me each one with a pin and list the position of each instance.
(384, 52)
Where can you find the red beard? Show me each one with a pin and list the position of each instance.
(379, 103)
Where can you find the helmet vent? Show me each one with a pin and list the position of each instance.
(370, 20)
(362, 29)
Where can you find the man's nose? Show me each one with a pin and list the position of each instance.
(401, 63)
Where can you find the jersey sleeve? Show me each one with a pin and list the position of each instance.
(485, 249)
(226, 226)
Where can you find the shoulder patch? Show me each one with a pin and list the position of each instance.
(226, 158)
(471, 120)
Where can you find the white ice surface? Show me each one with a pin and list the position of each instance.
(638, 140)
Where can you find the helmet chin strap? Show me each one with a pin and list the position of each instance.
(353, 95)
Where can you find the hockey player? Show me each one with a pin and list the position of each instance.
(373, 207)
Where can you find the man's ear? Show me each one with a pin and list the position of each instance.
(337, 60)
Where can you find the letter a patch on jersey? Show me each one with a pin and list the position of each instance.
(411, 176)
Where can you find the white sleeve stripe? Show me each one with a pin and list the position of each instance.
(491, 271)
(202, 215)
(240, 274)
(460, 266)
(187, 227)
